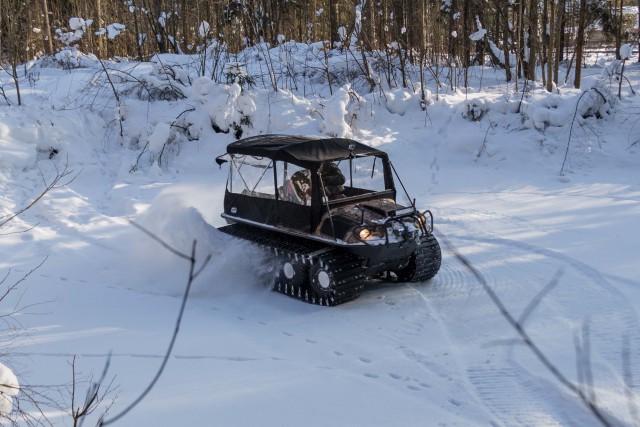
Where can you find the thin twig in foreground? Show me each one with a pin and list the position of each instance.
(192, 276)
(524, 336)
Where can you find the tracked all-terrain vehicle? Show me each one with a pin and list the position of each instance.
(326, 209)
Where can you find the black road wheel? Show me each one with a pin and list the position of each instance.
(322, 279)
(289, 272)
(406, 273)
(423, 264)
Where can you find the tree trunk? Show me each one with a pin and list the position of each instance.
(185, 24)
(505, 40)
(532, 40)
(562, 24)
(158, 29)
(549, 41)
(618, 27)
(558, 28)
(47, 40)
(333, 22)
(580, 43)
(136, 28)
(423, 51)
(520, 45)
(311, 32)
(368, 32)
(452, 27)
(100, 23)
(468, 28)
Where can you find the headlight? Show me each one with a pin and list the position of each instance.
(364, 234)
(422, 219)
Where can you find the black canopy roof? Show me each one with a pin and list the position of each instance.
(301, 149)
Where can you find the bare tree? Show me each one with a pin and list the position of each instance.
(424, 33)
(580, 42)
(31, 402)
(95, 397)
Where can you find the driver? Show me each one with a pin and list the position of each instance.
(300, 191)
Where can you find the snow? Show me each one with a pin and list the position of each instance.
(487, 164)
(335, 123)
(478, 35)
(159, 137)
(203, 29)
(398, 101)
(499, 53)
(8, 388)
(77, 24)
(114, 30)
(357, 25)
(15, 154)
(342, 33)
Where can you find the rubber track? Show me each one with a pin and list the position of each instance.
(346, 268)
(428, 259)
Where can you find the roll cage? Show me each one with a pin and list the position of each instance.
(250, 174)
(262, 187)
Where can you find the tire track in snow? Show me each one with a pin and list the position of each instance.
(520, 401)
(590, 301)
(582, 293)
(146, 356)
(468, 386)
(459, 218)
(450, 282)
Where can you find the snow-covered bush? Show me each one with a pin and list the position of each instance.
(221, 108)
(68, 59)
(549, 110)
(334, 113)
(77, 28)
(340, 112)
(160, 138)
(167, 82)
(474, 110)
(163, 83)
(595, 102)
(235, 113)
(8, 388)
(212, 59)
(235, 73)
(398, 101)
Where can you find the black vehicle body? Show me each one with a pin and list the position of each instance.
(317, 191)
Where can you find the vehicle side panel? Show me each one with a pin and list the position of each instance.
(293, 215)
(258, 209)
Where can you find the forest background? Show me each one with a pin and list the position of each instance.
(528, 38)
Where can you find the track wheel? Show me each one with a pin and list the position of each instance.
(322, 279)
(289, 272)
(406, 273)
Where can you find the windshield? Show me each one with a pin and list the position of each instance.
(365, 173)
(353, 177)
(251, 176)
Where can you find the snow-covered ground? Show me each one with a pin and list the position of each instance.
(436, 353)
